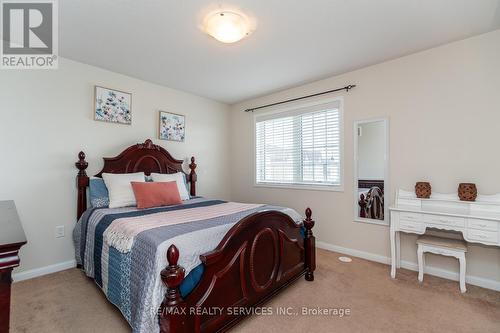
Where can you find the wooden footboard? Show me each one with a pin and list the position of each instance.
(258, 257)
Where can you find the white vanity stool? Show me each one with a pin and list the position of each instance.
(444, 246)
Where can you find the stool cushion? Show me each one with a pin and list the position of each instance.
(456, 244)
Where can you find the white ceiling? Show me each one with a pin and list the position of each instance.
(296, 41)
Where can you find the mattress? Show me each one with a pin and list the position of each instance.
(124, 249)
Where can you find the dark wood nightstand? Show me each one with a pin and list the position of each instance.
(11, 239)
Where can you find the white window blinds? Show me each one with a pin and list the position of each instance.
(300, 147)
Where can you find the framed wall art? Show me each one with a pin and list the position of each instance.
(172, 126)
(112, 106)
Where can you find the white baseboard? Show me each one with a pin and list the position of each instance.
(36, 272)
(443, 273)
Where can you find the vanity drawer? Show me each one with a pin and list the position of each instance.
(445, 220)
(410, 216)
(482, 236)
(410, 226)
(483, 224)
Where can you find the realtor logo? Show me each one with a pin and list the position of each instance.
(29, 35)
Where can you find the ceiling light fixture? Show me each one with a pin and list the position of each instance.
(227, 26)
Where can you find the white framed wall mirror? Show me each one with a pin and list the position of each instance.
(371, 170)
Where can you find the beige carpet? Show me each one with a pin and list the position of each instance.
(69, 302)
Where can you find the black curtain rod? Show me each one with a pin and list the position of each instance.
(346, 88)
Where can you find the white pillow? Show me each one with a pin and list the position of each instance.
(120, 190)
(177, 177)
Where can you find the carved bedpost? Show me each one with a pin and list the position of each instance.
(310, 246)
(362, 205)
(82, 181)
(172, 309)
(192, 177)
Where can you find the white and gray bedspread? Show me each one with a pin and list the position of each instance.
(124, 249)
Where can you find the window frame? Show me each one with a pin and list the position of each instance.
(295, 106)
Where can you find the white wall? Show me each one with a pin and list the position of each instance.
(371, 148)
(443, 106)
(46, 119)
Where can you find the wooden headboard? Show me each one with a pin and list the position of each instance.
(143, 157)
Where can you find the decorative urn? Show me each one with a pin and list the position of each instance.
(423, 190)
(467, 191)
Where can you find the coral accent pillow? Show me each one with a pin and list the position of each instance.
(179, 177)
(157, 194)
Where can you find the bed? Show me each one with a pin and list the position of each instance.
(191, 267)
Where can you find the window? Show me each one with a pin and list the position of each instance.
(300, 147)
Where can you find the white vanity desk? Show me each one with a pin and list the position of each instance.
(478, 221)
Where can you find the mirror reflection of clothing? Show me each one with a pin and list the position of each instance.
(372, 205)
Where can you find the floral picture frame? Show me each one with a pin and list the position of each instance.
(172, 126)
(113, 106)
